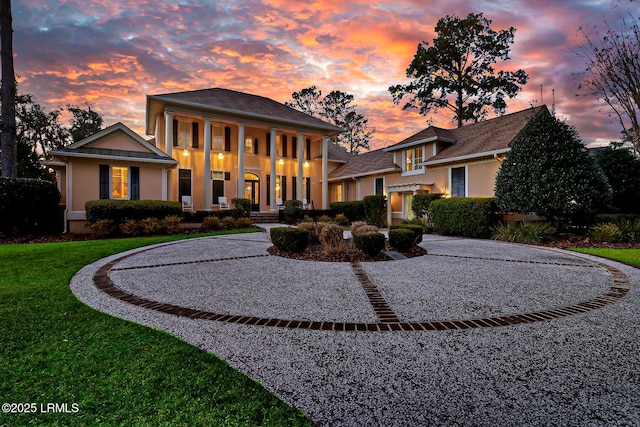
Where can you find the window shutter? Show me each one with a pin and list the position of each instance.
(175, 133)
(308, 189)
(308, 154)
(294, 188)
(284, 146)
(283, 193)
(135, 183)
(268, 190)
(227, 176)
(268, 144)
(227, 138)
(195, 138)
(104, 182)
(255, 145)
(294, 147)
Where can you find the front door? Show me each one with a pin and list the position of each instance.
(252, 190)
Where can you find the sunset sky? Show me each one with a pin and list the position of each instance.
(113, 53)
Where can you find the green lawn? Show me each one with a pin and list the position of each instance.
(629, 256)
(54, 349)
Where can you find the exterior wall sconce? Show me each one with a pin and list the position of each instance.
(220, 156)
(306, 164)
(281, 162)
(185, 152)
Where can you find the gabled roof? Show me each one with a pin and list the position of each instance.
(148, 153)
(242, 104)
(369, 163)
(429, 134)
(337, 154)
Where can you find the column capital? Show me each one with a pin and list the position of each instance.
(168, 113)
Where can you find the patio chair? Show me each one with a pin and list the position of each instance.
(305, 204)
(187, 204)
(279, 204)
(224, 205)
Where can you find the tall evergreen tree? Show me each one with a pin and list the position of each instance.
(8, 146)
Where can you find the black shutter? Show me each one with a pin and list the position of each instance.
(284, 146)
(175, 133)
(135, 183)
(227, 138)
(255, 146)
(294, 188)
(268, 145)
(268, 190)
(308, 154)
(227, 176)
(294, 147)
(195, 137)
(104, 182)
(308, 190)
(283, 187)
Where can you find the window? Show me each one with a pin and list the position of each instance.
(413, 156)
(248, 145)
(280, 143)
(217, 139)
(337, 196)
(458, 184)
(119, 182)
(217, 185)
(184, 183)
(306, 188)
(185, 133)
(379, 186)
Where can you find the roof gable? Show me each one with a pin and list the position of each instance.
(369, 163)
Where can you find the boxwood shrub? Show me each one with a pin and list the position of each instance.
(401, 238)
(375, 210)
(29, 206)
(353, 210)
(369, 243)
(417, 231)
(289, 239)
(119, 210)
(460, 216)
(292, 211)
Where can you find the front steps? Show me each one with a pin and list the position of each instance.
(264, 217)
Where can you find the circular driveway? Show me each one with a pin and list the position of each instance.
(476, 332)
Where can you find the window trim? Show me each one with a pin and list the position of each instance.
(190, 182)
(111, 170)
(416, 167)
(383, 185)
(466, 180)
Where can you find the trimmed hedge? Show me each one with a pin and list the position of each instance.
(401, 238)
(417, 230)
(119, 210)
(241, 208)
(369, 243)
(29, 206)
(467, 217)
(421, 202)
(292, 211)
(375, 210)
(353, 210)
(289, 239)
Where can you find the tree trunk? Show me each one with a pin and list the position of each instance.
(8, 118)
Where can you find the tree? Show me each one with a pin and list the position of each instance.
(84, 121)
(613, 74)
(457, 72)
(622, 169)
(8, 161)
(337, 109)
(549, 172)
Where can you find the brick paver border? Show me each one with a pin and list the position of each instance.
(388, 320)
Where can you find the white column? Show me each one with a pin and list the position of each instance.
(272, 184)
(207, 164)
(165, 172)
(240, 188)
(325, 172)
(300, 178)
(168, 148)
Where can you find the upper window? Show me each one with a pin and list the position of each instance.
(217, 139)
(248, 145)
(458, 182)
(379, 186)
(413, 158)
(279, 146)
(119, 182)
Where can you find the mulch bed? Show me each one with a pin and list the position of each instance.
(351, 254)
(587, 243)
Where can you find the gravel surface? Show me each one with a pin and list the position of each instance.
(577, 370)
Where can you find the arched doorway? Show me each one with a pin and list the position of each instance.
(252, 190)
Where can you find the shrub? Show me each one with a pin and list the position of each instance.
(212, 223)
(128, 227)
(375, 210)
(353, 210)
(325, 219)
(314, 237)
(420, 204)
(356, 225)
(527, 232)
(243, 223)
(401, 238)
(171, 223)
(608, 232)
(342, 220)
(150, 225)
(289, 239)
(229, 222)
(29, 206)
(102, 228)
(459, 216)
(366, 229)
(369, 243)
(426, 225)
(332, 239)
(119, 210)
(622, 169)
(292, 210)
(241, 208)
(307, 218)
(630, 230)
(417, 231)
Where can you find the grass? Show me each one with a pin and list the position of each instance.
(628, 256)
(56, 349)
